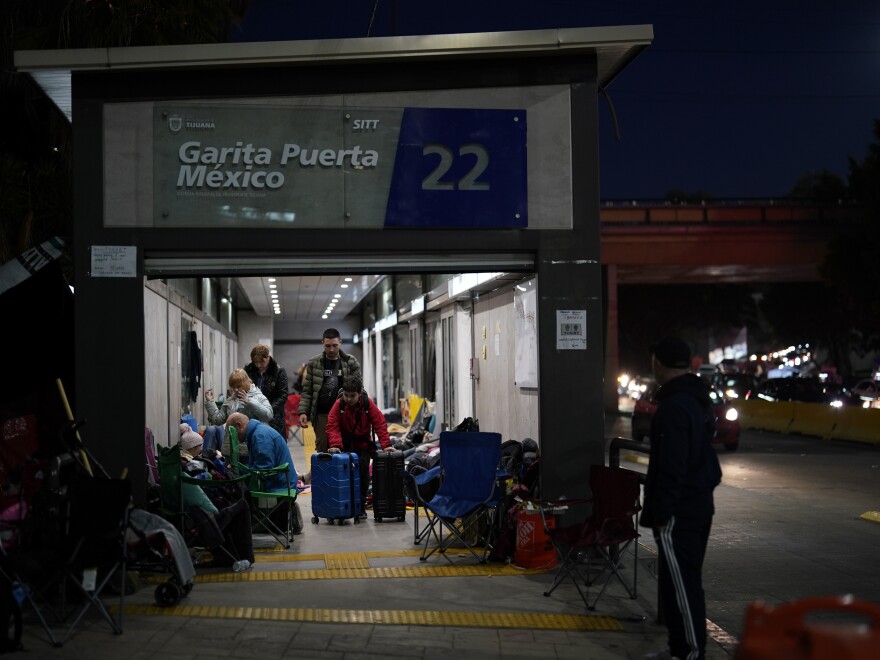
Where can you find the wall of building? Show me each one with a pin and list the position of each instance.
(167, 315)
(253, 330)
(501, 405)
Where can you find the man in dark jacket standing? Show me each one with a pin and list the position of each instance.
(321, 383)
(271, 379)
(682, 474)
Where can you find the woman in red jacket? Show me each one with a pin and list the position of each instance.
(351, 423)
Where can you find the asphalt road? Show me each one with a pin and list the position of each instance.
(787, 524)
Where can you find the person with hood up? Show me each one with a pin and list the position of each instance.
(683, 471)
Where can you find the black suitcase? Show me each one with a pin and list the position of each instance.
(389, 500)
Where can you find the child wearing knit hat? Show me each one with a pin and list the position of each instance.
(191, 449)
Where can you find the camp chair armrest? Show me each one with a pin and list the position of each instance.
(558, 504)
(610, 521)
(426, 476)
(421, 479)
(266, 472)
(210, 483)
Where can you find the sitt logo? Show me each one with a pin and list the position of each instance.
(364, 124)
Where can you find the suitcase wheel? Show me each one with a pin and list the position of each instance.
(314, 520)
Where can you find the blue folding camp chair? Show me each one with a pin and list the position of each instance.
(468, 467)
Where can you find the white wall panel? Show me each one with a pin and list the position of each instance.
(500, 405)
(156, 364)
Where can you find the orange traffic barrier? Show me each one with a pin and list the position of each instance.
(861, 424)
(816, 419)
(767, 415)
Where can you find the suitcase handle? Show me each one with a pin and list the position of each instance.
(325, 456)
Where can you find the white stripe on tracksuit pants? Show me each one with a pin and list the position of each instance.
(682, 546)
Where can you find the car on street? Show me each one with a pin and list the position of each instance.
(868, 392)
(805, 390)
(734, 386)
(727, 427)
(707, 371)
(638, 385)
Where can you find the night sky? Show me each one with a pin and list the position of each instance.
(736, 99)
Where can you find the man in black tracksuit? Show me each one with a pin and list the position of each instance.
(682, 473)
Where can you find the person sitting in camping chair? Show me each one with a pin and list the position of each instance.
(233, 513)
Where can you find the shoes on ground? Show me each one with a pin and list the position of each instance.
(306, 478)
(665, 654)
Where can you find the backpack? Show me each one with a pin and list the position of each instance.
(530, 451)
(422, 462)
(468, 424)
(512, 457)
(365, 402)
(504, 547)
(416, 434)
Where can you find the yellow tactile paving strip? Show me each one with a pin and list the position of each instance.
(528, 620)
(261, 556)
(308, 447)
(348, 567)
(346, 560)
(354, 573)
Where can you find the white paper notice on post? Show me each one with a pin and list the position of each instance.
(571, 329)
(114, 261)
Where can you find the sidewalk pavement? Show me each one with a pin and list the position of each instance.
(360, 591)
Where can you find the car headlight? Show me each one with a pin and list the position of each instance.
(837, 403)
(731, 415)
(731, 394)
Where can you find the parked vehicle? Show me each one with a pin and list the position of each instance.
(638, 385)
(735, 386)
(707, 371)
(727, 428)
(868, 392)
(806, 390)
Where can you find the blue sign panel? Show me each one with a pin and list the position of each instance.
(459, 168)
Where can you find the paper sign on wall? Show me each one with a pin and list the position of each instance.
(571, 329)
(114, 261)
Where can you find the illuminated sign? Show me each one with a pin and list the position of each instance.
(260, 166)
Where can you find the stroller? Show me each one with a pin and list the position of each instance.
(154, 546)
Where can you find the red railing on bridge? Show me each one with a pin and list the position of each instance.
(751, 212)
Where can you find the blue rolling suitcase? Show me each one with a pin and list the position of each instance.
(336, 487)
